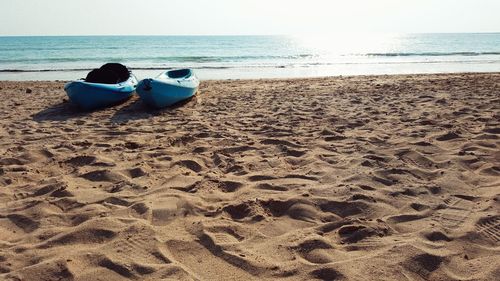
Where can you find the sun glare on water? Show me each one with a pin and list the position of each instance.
(348, 44)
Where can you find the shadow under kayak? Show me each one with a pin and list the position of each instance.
(168, 88)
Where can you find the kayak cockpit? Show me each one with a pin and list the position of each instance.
(180, 73)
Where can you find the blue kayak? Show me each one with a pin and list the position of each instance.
(88, 94)
(168, 88)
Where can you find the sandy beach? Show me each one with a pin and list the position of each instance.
(346, 178)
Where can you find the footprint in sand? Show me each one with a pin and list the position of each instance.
(272, 187)
(136, 172)
(345, 209)
(327, 274)
(448, 136)
(415, 158)
(261, 178)
(138, 241)
(189, 164)
(83, 234)
(437, 236)
(489, 227)
(89, 160)
(25, 223)
(103, 176)
(423, 265)
(455, 212)
(57, 189)
(356, 232)
(229, 186)
(315, 250)
(166, 210)
(238, 211)
(224, 234)
(83, 160)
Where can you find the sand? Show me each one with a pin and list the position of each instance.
(348, 178)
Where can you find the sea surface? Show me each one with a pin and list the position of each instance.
(237, 57)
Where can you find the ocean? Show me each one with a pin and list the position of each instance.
(241, 57)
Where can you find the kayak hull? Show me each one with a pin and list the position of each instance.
(90, 96)
(164, 91)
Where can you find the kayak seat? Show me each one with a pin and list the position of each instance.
(121, 70)
(181, 73)
(102, 76)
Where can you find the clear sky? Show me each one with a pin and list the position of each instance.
(234, 17)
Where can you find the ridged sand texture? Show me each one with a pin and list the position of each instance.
(348, 178)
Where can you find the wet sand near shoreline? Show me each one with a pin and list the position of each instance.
(342, 178)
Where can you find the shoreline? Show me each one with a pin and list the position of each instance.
(250, 73)
(326, 178)
(300, 78)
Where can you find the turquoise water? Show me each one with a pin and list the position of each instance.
(228, 57)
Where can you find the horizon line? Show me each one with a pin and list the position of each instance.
(235, 35)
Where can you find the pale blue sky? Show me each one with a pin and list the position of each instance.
(207, 17)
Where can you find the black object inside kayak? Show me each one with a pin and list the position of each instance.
(110, 73)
